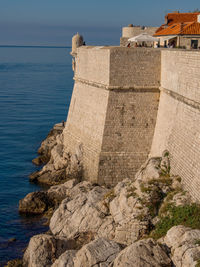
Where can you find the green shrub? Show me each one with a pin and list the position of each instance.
(165, 180)
(188, 215)
(167, 204)
(145, 189)
(198, 263)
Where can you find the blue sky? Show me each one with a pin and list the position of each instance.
(53, 22)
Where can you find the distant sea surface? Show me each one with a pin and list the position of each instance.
(35, 91)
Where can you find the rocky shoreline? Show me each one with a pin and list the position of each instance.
(148, 221)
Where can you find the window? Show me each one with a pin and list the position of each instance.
(194, 44)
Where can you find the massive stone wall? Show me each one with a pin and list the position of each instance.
(128, 132)
(178, 122)
(85, 124)
(113, 110)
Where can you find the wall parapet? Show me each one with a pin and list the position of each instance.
(119, 67)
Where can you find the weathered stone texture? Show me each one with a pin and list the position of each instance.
(177, 127)
(113, 110)
(93, 64)
(128, 132)
(85, 125)
(134, 67)
(180, 73)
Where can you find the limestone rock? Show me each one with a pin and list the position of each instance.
(181, 199)
(14, 263)
(130, 212)
(99, 253)
(59, 192)
(129, 232)
(120, 214)
(176, 183)
(149, 170)
(50, 140)
(61, 167)
(44, 249)
(40, 202)
(143, 253)
(184, 244)
(48, 144)
(153, 168)
(34, 203)
(66, 259)
(165, 163)
(43, 159)
(124, 207)
(50, 177)
(81, 213)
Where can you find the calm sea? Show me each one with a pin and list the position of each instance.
(35, 91)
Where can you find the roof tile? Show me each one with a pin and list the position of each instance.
(181, 17)
(187, 28)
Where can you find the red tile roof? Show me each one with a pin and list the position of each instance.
(161, 28)
(188, 28)
(181, 17)
(193, 29)
(180, 23)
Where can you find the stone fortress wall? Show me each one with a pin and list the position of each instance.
(178, 121)
(113, 110)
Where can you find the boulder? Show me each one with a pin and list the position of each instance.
(61, 167)
(154, 168)
(143, 253)
(181, 199)
(40, 202)
(131, 231)
(43, 159)
(99, 253)
(53, 177)
(80, 213)
(184, 243)
(59, 192)
(34, 203)
(149, 170)
(48, 144)
(14, 263)
(130, 216)
(66, 259)
(44, 249)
